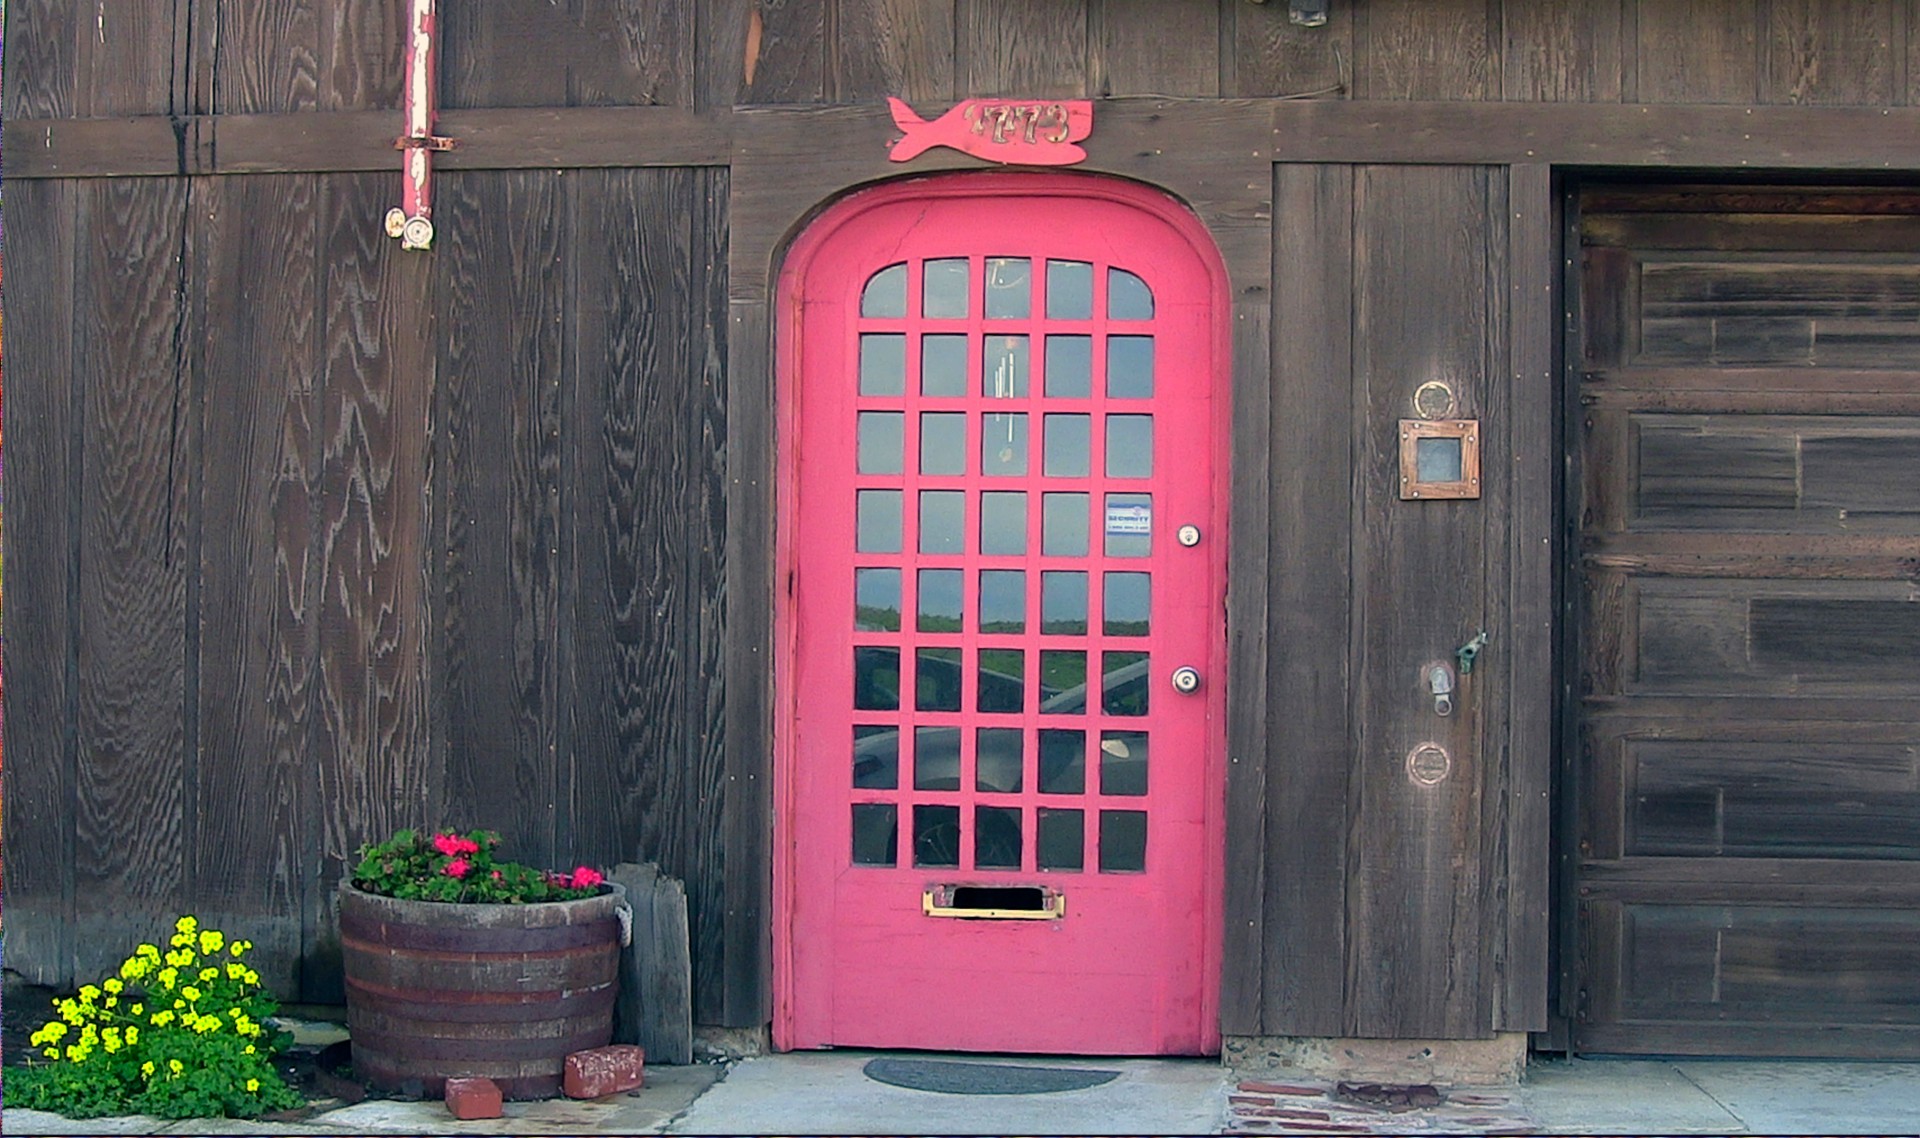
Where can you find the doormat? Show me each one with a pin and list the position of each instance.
(951, 1078)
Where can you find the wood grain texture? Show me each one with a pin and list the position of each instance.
(790, 65)
(1027, 49)
(1423, 49)
(125, 60)
(362, 54)
(582, 53)
(269, 57)
(1416, 955)
(501, 301)
(1153, 49)
(1832, 54)
(1265, 53)
(135, 784)
(42, 547)
(1695, 51)
(41, 45)
(1562, 50)
(250, 850)
(902, 48)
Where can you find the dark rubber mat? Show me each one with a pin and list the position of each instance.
(950, 1078)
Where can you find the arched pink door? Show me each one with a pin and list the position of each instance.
(1002, 545)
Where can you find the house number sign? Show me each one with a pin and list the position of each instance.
(1013, 132)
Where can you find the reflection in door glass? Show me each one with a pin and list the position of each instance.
(877, 525)
(1003, 522)
(1128, 297)
(876, 757)
(1069, 367)
(1003, 367)
(883, 363)
(943, 442)
(881, 446)
(996, 837)
(1128, 604)
(1063, 525)
(886, 293)
(939, 600)
(997, 760)
(875, 833)
(936, 758)
(1063, 761)
(1003, 680)
(936, 679)
(876, 678)
(1129, 525)
(1123, 762)
(943, 365)
(944, 291)
(1063, 682)
(936, 835)
(876, 600)
(1069, 290)
(1003, 600)
(1009, 288)
(1130, 367)
(1129, 446)
(943, 521)
(1066, 446)
(1003, 446)
(1123, 841)
(1063, 603)
(1124, 683)
(1060, 839)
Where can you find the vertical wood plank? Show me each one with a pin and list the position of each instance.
(1023, 48)
(125, 60)
(1168, 48)
(1414, 937)
(1270, 55)
(1308, 579)
(1828, 53)
(1528, 658)
(893, 47)
(581, 53)
(1562, 51)
(41, 46)
(134, 782)
(1427, 49)
(42, 550)
(256, 609)
(1493, 699)
(376, 387)
(502, 304)
(1695, 51)
(770, 51)
(267, 57)
(362, 53)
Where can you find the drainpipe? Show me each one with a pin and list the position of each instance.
(412, 222)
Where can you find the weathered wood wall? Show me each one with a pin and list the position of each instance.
(312, 537)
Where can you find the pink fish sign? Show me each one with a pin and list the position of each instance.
(1013, 132)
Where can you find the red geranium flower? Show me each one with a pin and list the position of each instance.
(453, 845)
(584, 878)
(457, 867)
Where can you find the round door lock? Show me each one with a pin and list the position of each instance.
(1188, 536)
(1186, 680)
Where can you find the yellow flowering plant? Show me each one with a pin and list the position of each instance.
(182, 1032)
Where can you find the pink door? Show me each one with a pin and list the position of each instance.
(1002, 543)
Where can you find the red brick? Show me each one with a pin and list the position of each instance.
(473, 1098)
(1251, 1100)
(1283, 1089)
(604, 1071)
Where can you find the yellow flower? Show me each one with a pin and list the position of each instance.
(253, 1085)
(148, 953)
(75, 1054)
(134, 968)
(111, 1035)
(89, 993)
(175, 1066)
(147, 1068)
(186, 925)
(190, 992)
(133, 1035)
(111, 1001)
(112, 984)
(235, 970)
(206, 1024)
(168, 976)
(162, 1018)
(209, 974)
(70, 1011)
(235, 948)
(249, 1048)
(52, 1053)
(251, 977)
(211, 940)
(137, 1009)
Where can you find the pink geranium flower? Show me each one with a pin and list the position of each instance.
(584, 878)
(453, 845)
(457, 867)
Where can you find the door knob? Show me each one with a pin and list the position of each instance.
(1186, 680)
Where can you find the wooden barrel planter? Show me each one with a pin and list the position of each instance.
(438, 991)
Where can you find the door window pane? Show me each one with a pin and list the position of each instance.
(1003, 600)
(943, 442)
(996, 837)
(1063, 525)
(1069, 290)
(883, 363)
(1003, 680)
(1123, 841)
(1069, 367)
(876, 678)
(1130, 367)
(1063, 682)
(1128, 297)
(1129, 446)
(944, 291)
(1128, 603)
(1003, 367)
(875, 833)
(1129, 525)
(936, 836)
(1060, 839)
(939, 600)
(1063, 603)
(943, 521)
(1009, 288)
(877, 522)
(1063, 762)
(881, 445)
(936, 758)
(943, 365)
(1123, 762)
(886, 293)
(1066, 446)
(1003, 446)
(997, 760)
(936, 679)
(876, 757)
(1003, 522)
(876, 600)
(1124, 683)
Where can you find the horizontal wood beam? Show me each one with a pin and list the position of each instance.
(499, 139)
(1610, 135)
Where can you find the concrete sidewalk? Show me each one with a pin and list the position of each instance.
(829, 1093)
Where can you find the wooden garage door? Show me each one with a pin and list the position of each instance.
(1748, 769)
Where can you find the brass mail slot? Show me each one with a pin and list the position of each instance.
(994, 902)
